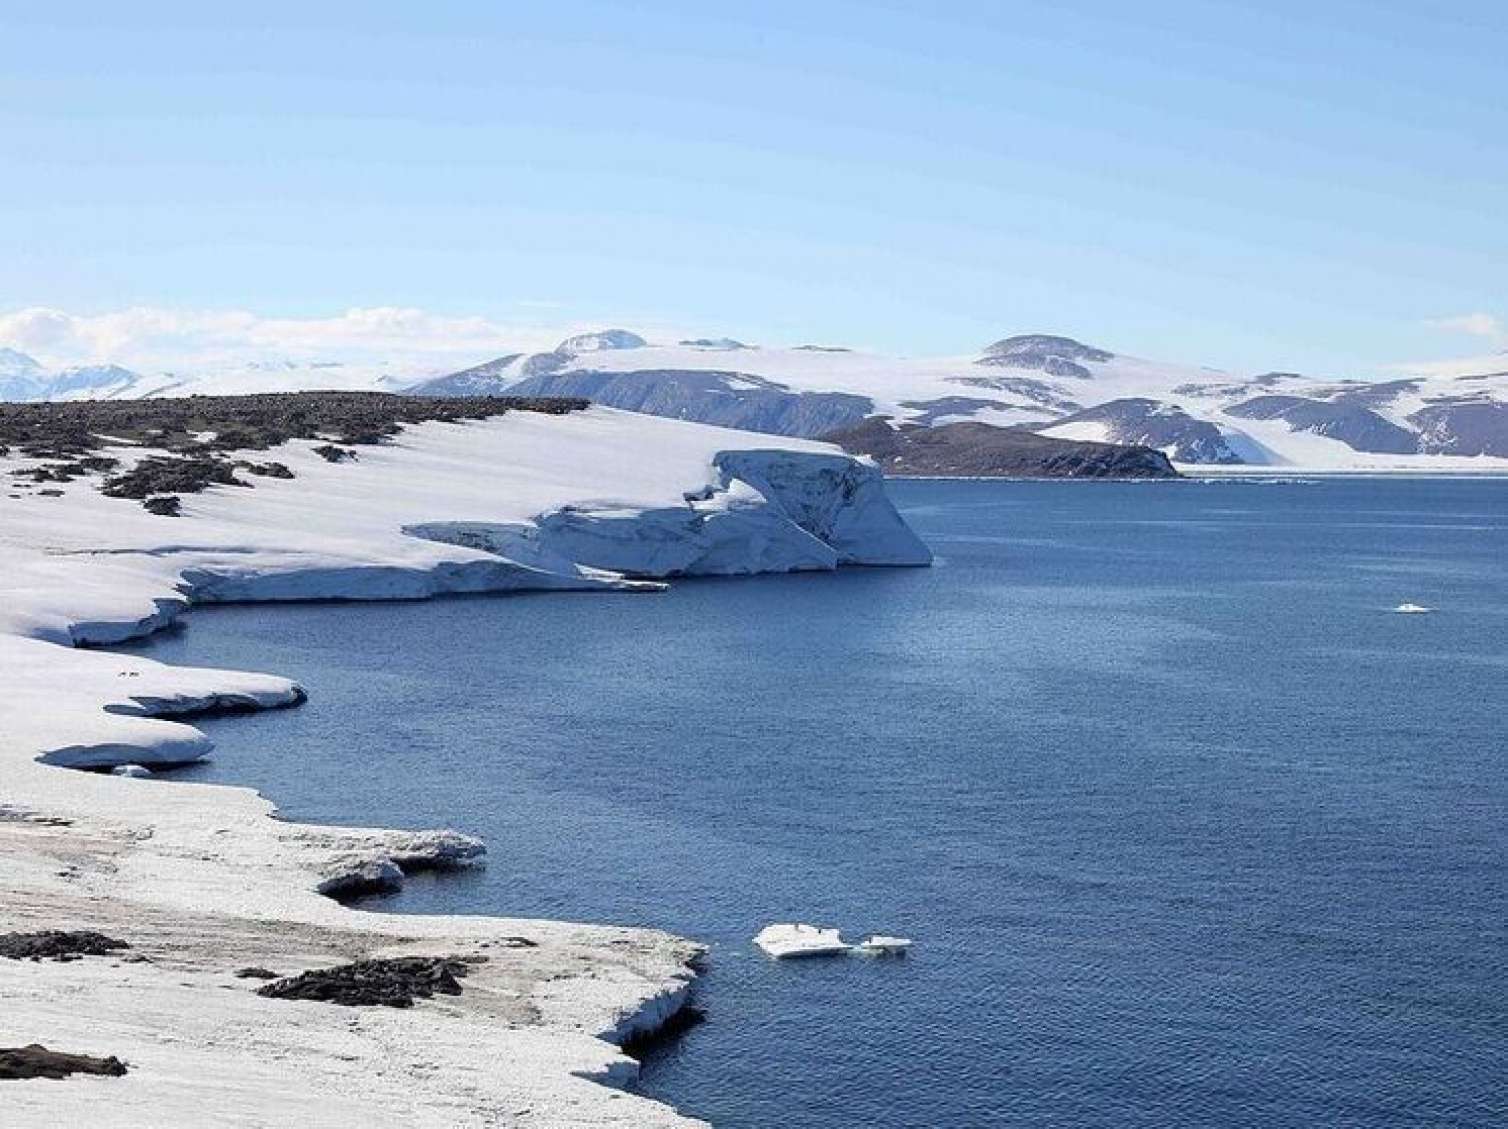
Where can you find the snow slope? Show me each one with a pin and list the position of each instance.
(201, 881)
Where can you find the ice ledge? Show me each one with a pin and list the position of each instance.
(765, 511)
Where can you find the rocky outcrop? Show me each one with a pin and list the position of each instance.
(393, 982)
(36, 1061)
(58, 944)
(980, 450)
(1142, 422)
(1464, 426)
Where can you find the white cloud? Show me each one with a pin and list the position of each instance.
(155, 339)
(1478, 325)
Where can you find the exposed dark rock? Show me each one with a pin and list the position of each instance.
(265, 470)
(199, 429)
(1463, 426)
(166, 474)
(58, 944)
(392, 982)
(72, 429)
(1140, 421)
(36, 1061)
(255, 973)
(1373, 395)
(985, 451)
(68, 471)
(163, 505)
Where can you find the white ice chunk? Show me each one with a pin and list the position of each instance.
(783, 940)
(880, 944)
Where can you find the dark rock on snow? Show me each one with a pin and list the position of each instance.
(163, 505)
(199, 430)
(58, 944)
(36, 1061)
(393, 982)
(333, 454)
(238, 423)
(167, 474)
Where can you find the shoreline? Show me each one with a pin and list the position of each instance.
(202, 879)
(271, 896)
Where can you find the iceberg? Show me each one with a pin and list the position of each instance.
(880, 944)
(785, 940)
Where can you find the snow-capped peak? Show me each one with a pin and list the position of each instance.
(601, 341)
(1044, 352)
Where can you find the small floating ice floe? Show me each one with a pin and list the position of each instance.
(880, 945)
(135, 771)
(784, 940)
(1412, 609)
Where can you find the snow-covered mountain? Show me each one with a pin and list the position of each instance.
(1056, 386)
(23, 378)
(1444, 418)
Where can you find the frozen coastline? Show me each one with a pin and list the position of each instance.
(202, 881)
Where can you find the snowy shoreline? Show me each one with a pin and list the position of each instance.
(202, 879)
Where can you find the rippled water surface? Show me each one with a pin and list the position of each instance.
(1189, 828)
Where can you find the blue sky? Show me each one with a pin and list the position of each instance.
(1319, 186)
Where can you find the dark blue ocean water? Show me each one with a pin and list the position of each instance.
(1189, 828)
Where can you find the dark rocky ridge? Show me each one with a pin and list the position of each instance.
(981, 450)
(199, 430)
(244, 422)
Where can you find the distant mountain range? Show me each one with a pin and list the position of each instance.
(1050, 385)
(23, 378)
